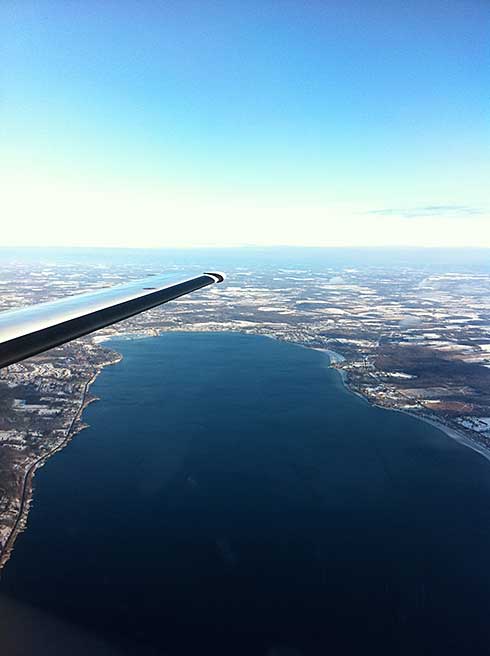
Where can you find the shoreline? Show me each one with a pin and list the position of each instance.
(28, 482)
(451, 432)
(455, 434)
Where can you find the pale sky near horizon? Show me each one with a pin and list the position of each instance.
(194, 122)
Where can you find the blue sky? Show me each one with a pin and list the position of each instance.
(261, 122)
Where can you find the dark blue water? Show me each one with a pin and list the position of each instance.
(230, 497)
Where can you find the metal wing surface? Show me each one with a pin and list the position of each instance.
(35, 329)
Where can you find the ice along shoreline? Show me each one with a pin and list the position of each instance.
(453, 433)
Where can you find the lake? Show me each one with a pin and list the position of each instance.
(232, 497)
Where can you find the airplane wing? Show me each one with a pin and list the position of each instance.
(35, 329)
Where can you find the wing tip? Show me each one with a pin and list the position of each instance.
(218, 276)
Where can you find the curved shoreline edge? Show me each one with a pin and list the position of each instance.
(28, 483)
(449, 431)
